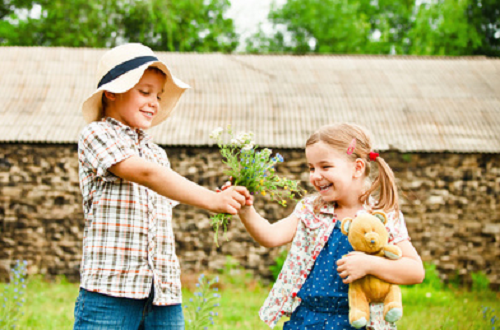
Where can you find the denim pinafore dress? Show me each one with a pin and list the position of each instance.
(325, 303)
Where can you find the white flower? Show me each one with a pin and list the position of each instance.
(248, 146)
(216, 133)
(267, 151)
(243, 139)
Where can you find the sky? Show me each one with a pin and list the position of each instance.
(247, 14)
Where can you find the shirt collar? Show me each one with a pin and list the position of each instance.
(138, 135)
(328, 208)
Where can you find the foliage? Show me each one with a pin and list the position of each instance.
(434, 27)
(230, 265)
(181, 25)
(82, 23)
(320, 26)
(278, 265)
(432, 279)
(252, 169)
(480, 281)
(12, 298)
(441, 28)
(200, 314)
(194, 25)
(50, 306)
(484, 15)
(490, 317)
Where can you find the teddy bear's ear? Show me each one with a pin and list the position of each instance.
(345, 225)
(381, 216)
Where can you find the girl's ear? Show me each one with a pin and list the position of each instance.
(359, 168)
(109, 95)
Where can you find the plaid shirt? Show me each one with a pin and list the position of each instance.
(128, 242)
(312, 234)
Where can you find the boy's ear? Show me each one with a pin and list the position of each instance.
(109, 95)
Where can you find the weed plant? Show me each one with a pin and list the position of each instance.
(200, 309)
(12, 297)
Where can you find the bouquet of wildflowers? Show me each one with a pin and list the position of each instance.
(251, 168)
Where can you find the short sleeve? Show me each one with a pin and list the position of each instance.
(300, 209)
(100, 148)
(396, 227)
(305, 212)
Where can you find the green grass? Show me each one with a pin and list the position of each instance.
(49, 305)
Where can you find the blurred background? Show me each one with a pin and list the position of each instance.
(403, 27)
(423, 76)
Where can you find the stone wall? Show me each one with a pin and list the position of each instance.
(451, 204)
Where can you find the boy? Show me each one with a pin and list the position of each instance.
(130, 275)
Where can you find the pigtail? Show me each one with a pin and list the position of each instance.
(385, 186)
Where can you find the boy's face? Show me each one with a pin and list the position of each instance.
(138, 106)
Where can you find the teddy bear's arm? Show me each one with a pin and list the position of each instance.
(392, 252)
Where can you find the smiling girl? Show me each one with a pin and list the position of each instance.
(312, 287)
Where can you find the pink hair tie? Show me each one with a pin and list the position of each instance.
(373, 156)
(351, 147)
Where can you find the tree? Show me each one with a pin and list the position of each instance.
(434, 27)
(485, 16)
(319, 26)
(180, 25)
(442, 28)
(391, 20)
(336, 26)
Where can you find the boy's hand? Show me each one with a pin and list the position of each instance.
(228, 184)
(231, 199)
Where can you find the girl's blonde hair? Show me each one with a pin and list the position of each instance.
(340, 137)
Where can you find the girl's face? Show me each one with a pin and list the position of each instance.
(138, 106)
(332, 173)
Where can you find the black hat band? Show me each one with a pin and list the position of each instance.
(125, 67)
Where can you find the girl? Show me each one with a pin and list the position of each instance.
(313, 284)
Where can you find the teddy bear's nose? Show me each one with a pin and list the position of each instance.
(371, 238)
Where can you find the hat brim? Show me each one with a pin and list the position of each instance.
(173, 89)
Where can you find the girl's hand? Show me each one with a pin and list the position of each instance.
(353, 266)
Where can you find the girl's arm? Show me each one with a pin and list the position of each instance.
(265, 233)
(172, 185)
(406, 270)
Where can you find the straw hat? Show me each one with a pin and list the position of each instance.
(120, 69)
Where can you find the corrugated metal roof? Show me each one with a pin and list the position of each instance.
(428, 104)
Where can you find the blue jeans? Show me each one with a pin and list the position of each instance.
(96, 311)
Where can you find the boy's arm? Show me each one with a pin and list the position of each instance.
(265, 233)
(406, 270)
(172, 185)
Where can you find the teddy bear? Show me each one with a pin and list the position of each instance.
(367, 233)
